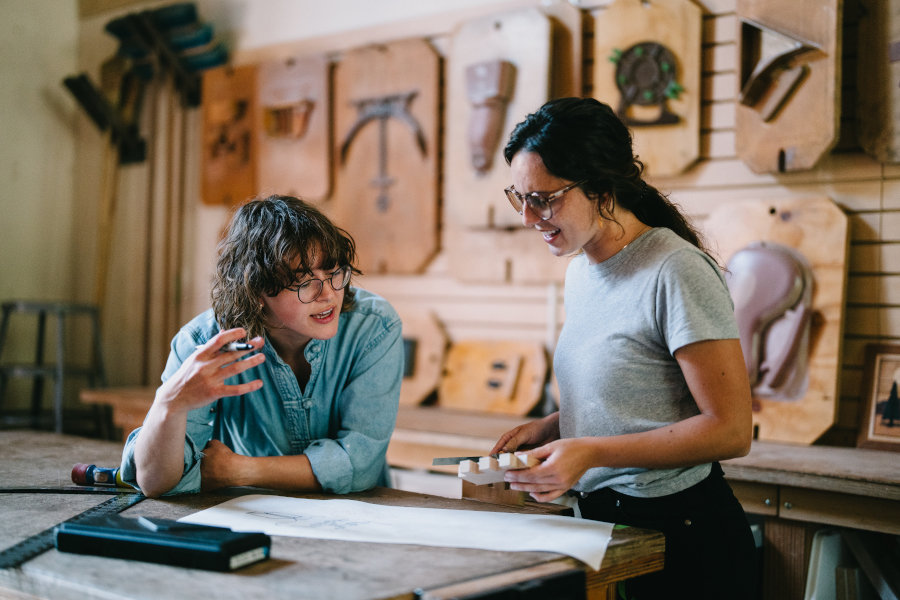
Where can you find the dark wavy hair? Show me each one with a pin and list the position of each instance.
(259, 256)
(583, 139)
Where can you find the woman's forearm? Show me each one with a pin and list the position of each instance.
(159, 450)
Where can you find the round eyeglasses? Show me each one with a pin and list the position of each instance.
(309, 290)
(538, 202)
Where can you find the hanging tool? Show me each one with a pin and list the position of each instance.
(165, 41)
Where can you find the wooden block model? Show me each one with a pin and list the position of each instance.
(491, 470)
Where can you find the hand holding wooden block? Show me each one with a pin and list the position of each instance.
(491, 470)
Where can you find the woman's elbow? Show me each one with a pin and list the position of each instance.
(739, 441)
(151, 492)
(742, 449)
(153, 488)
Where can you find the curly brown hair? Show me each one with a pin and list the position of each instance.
(259, 256)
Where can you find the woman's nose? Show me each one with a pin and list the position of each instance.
(529, 217)
(327, 290)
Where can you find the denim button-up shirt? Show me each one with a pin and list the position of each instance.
(342, 421)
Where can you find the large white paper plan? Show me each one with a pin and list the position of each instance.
(355, 521)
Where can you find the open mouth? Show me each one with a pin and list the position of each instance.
(323, 315)
(549, 234)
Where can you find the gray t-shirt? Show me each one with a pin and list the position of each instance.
(614, 363)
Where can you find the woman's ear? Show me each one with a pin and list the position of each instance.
(604, 204)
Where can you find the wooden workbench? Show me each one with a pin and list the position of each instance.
(795, 490)
(299, 567)
(800, 489)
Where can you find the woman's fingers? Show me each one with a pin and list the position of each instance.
(547, 496)
(218, 341)
(235, 366)
(242, 388)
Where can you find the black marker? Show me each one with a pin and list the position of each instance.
(233, 347)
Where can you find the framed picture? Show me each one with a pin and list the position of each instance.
(880, 416)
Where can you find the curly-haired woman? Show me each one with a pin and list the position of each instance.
(310, 402)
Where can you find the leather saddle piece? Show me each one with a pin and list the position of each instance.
(772, 286)
(490, 86)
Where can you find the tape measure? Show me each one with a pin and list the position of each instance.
(27, 549)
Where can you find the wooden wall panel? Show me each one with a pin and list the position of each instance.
(387, 153)
(647, 67)
(866, 189)
(818, 230)
(294, 128)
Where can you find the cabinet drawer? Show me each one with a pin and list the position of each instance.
(845, 510)
(756, 498)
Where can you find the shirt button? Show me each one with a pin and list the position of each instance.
(618, 503)
(687, 522)
(583, 494)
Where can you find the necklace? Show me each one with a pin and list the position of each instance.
(641, 232)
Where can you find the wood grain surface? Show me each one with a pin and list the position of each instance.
(316, 569)
(818, 230)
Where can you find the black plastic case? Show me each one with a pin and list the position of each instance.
(163, 541)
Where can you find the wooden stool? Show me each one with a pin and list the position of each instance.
(39, 370)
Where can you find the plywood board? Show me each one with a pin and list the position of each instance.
(428, 343)
(818, 229)
(229, 151)
(502, 256)
(294, 124)
(493, 376)
(566, 52)
(647, 67)
(474, 197)
(478, 218)
(787, 114)
(386, 154)
(878, 79)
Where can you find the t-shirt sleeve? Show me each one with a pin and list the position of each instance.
(693, 302)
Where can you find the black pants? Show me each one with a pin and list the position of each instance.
(710, 552)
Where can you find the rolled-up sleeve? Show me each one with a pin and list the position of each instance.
(199, 426)
(190, 479)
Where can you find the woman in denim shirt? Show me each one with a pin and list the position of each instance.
(311, 404)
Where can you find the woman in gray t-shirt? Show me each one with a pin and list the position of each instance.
(653, 388)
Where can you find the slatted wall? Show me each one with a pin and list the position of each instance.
(867, 190)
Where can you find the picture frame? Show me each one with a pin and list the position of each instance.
(879, 422)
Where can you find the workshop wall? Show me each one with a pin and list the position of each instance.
(38, 217)
(863, 187)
